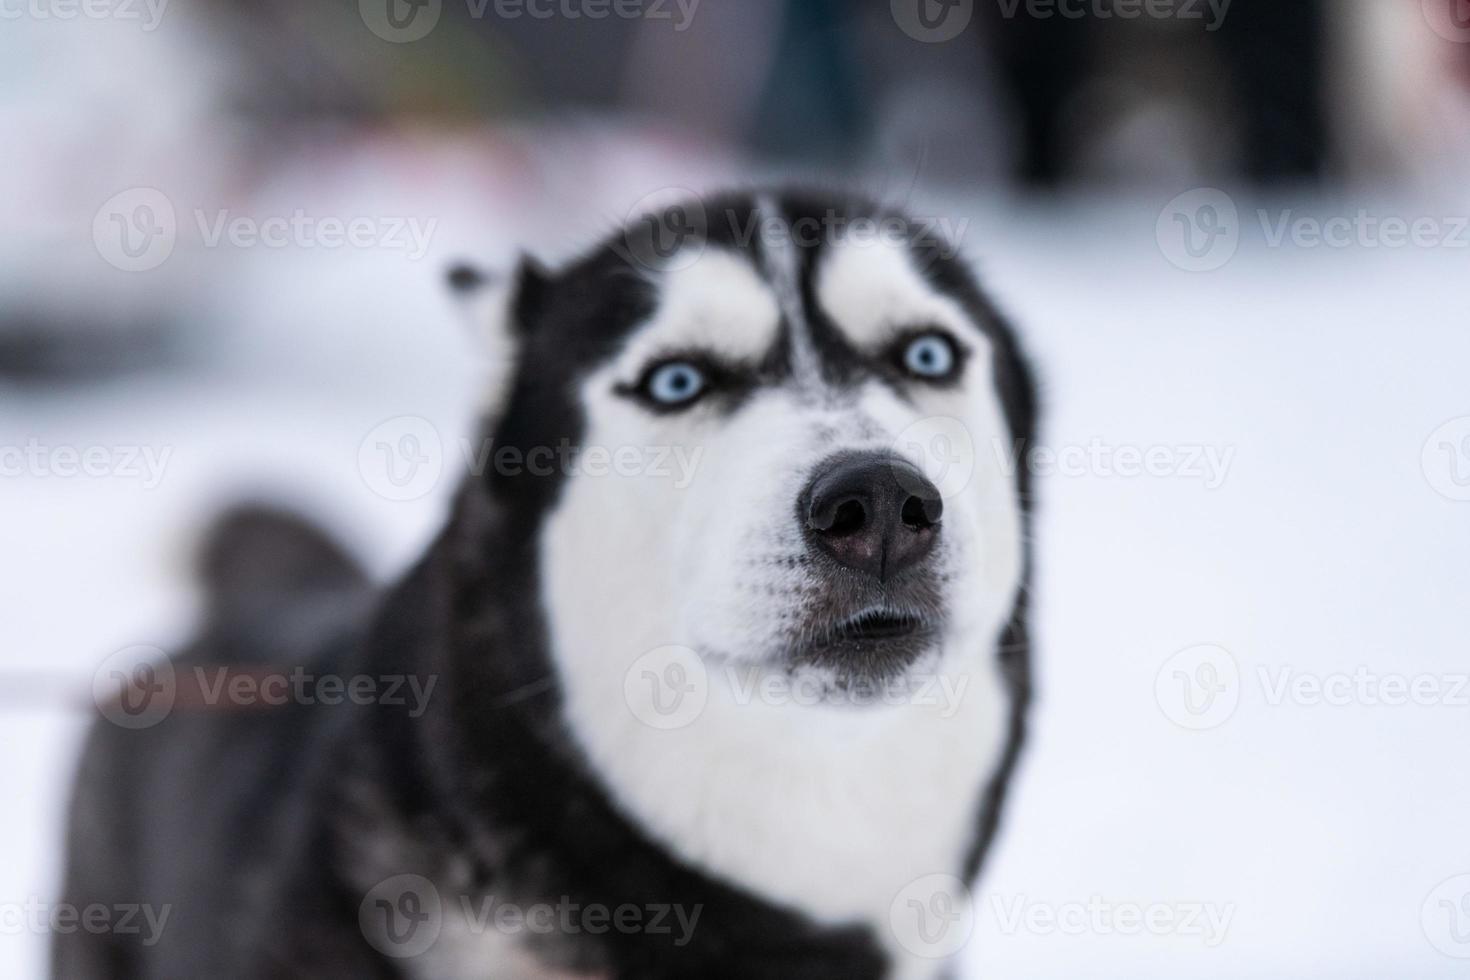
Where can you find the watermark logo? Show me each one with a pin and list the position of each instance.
(1445, 917)
(138, 687)
(667, 688)
(402, 916)
(669, 229)
(1199, 231)
(135, 687)
(409, 235)
(1446, 459)
(400, 21)
(932, 21)
(676, 464)
(248, 687)
(932, 917)
(402, 458)
(136, 230)
(941, 448)
(1199, 687)
(1450, 19)
(666, 230)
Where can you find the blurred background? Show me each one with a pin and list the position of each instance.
(1233, 234)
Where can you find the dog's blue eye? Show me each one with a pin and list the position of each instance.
(930, 355)
(675, 383)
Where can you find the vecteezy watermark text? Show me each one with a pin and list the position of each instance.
(138, 229)
(1098, 916)
(403, 916)
(1201, 686)
(138, 687)
(1201, 230)
(669, 228)
(1364, 228)
(1207, 464)
(122, 461)
(1211, 13)
(679, 12)
(403, 459)
(132, 919)
(937, 21)
(405, 21)
(149, 13)
(669, 687)
(1364, 686)
(301, 229)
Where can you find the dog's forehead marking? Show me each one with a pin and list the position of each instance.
(869, 289)
(718, 303)
(782, 266)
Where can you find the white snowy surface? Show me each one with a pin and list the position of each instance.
(1319, 830)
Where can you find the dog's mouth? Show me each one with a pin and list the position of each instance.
(876, 625)
(873, 645)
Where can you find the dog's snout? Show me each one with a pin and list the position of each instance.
(873, 512)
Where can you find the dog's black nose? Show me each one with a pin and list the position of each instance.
(873, 512)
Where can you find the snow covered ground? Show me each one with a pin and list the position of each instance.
(1187, 805)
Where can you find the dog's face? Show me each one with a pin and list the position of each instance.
(782, 452)
(778, 451)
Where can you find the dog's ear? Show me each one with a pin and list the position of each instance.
(500, 310)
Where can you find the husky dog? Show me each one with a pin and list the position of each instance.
(748, 717)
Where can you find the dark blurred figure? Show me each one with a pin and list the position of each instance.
(1262, 65)
(1047, 93)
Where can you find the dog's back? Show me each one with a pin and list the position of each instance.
(230, 868)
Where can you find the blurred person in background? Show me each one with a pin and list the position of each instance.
(1031, 96)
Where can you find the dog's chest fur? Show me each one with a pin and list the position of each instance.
(827, 811)
(832, 814)
(832, 820)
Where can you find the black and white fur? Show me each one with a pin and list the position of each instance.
(792, 827)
